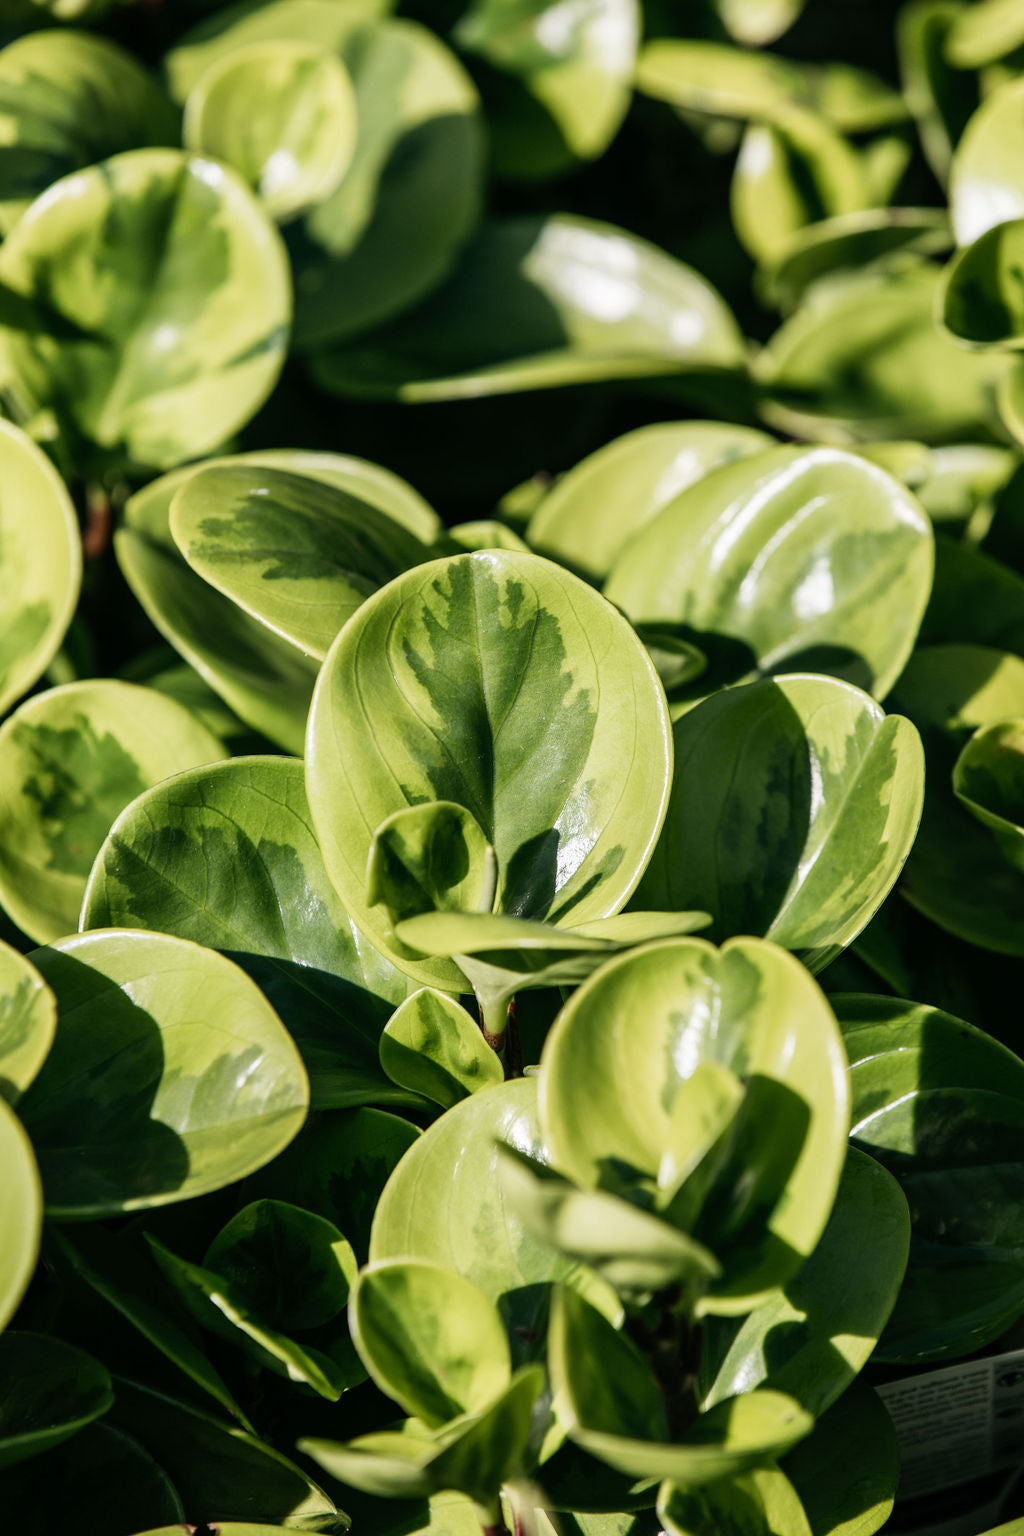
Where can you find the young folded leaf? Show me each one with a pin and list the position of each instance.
(635, 1252)
(611, 1403)
(629, 1041)
(433, 1047)
(432, 857)
(429, 1338)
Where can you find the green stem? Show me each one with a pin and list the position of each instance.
(494, 1021)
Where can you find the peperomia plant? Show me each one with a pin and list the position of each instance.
(512, 764)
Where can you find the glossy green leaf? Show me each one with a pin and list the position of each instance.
(563, 85)
(982, 301)
(293, 552)
(758, 21)
(390, 1464)
(48, 1391)
(314, 1264)
(68, 100)
(939, 96)
(791, 172)
(121, 1269)
(217, 1467)
(986, 186)
(296, 149)
(846, 1471)
(951, 483)
(216, 1304)
(812, 1338)
(264, 679)
(714, 78)
(957, 874)
(940, 1105)
(230, 28)
(42, 557)
(633, 1251)
(985, 32)
(486, 533)
(848, 242)
(864, 359)
(540, 302)
(21, 1212)
(337, 1167)
(231, 1528)
(804, 555)
(445, 1204)
(111, 1483)
(411, 197)
(261, 677)
(989, 780)
(71, 759)
(433, 1047)
(170, 1075)
(429, 1338)
(808, 866)
(710, 77)
(628, 1045)
(606, 1395)
(538, 744)
(227, 857)
(763, 1500)
(586, 519)
(28, 1020)
(169, 366)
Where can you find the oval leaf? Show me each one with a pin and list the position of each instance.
(161, 366)
(28, 1021)
(537, 303)
(70, 99)
(297, 148)
(227, 857)
(864, 359)
(811, 1339)
(986, 186)
(538, 744)
(411, 196)
(48, 1391)
(293, 552)
(42, 555)
(939, 1104)
(762, 1500)
(804, 555)
(807, 869)
(71, 759)
(433, 1047)
(86, 1468)
(170, 1075)
(444, 1203)
(21, 1212)
(429, 1338)
(587, 518)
